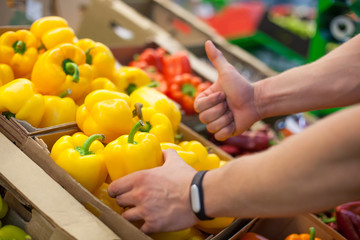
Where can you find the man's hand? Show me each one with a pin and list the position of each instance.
(228, 106)
(159, 196)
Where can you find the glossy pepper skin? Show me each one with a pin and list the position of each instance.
(106, 112)
(3, 208)
(12, 232)
(18, 97)
(52, 31)
(128, 79)
(62, 69)
(81, 157)
(155, 123)
(102, 83)
(19, 50)
(102, 194)
(151, 98)
(348, 220)
(6, 74)
(206, 161)
(99, 57)
(188, 156)
(57, 111)
(303, 236)
(133, 152)
(215, 225)
(184, 89)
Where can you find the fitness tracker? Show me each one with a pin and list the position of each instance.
(197, 196)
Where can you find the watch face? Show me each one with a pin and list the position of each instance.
(195, 198)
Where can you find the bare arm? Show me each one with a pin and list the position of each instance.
(308, 172)
(332, 81)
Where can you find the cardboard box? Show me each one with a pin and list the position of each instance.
(280, 228)
(40, 205)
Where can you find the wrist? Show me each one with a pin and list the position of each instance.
(197, 196)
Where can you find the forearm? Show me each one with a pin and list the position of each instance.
(332, 81)
(308, 172)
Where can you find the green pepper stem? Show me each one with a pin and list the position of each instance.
(84, 149)
(88, 56)
(19, 47)
(131, 87)
(8, 115)
(71, 68)
(65, 93)
(188, 89)
(138, 112)
(153, 84)
(312, 233)
(135, 128)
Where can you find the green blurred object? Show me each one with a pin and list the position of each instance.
(301, 40)
(217, 4)
(325, 112)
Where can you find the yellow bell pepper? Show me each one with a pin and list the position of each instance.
(58, 110)
(81, 157)
(62, 69)
(99, 57)
(127, 79)
(151, 98)
(102, 194)
(6, 74)
(155, 123)
(19, 50)
(215, 225)
(106, 112)
(186, 234)
(19, 100)
(207, 161)
(133, 152)
(188, 156)
(4, 207)
(102, 83)
(53, 31)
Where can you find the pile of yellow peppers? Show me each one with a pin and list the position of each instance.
(48, 77)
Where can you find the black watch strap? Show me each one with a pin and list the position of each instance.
(197, 196)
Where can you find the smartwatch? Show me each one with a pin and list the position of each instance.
(197, 196)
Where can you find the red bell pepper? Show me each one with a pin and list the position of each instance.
(348, 220)
(184, 89)
(176, 64)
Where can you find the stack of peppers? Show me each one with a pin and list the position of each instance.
(173, 75)
(53, 71)
(345, 219)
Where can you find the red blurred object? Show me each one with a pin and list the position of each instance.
(237, 19)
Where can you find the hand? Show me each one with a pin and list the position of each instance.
(228, 106)
(159, 196)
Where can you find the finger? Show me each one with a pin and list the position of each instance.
(220, 123)
(132, 214)
(120, 186)
(170, 155)
(225, 132)
(206, 102)
(125, 200)
(213, 113)
(216, 56)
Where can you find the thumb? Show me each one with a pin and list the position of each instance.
(216, 57)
